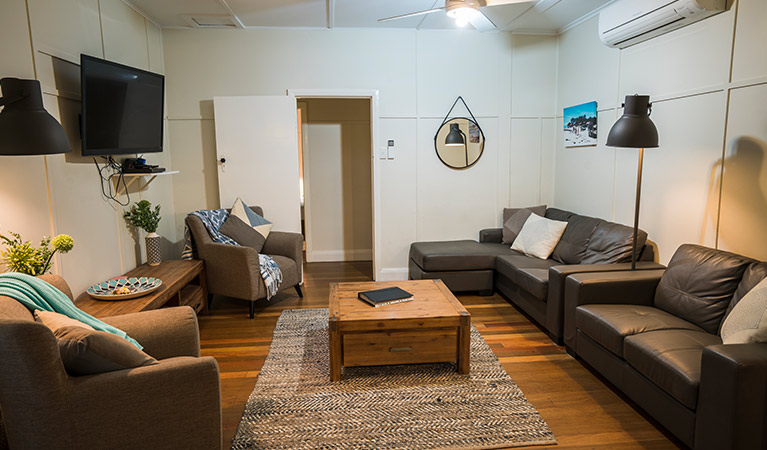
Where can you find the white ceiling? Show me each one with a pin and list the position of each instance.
(537, 16)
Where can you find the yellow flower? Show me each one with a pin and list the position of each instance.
(63, 243)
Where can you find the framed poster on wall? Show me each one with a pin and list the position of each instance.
(580, 125)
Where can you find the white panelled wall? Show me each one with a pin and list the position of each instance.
(40, 196)
(708, 84)
(417, 80)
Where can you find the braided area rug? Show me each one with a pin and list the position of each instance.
(410, 407)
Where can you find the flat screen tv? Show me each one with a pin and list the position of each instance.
(122, 108)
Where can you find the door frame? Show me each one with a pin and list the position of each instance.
(372, 95)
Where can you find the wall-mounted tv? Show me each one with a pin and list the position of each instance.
(122, 108)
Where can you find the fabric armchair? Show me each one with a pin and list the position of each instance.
(234, 271)
(174, 404)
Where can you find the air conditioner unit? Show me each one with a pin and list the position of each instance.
(627, 22)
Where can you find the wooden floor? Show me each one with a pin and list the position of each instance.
(581, 411)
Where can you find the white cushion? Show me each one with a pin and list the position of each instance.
(539, 236)
(747, 322)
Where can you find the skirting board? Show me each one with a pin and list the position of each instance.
(339, 255)
(392, 274)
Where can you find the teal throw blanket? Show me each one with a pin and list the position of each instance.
(35, 293)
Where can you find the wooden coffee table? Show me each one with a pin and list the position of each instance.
(434, 327)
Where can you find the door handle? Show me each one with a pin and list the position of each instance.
(222, 160)
(400, 349)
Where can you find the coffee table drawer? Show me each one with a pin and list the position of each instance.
(400, 347)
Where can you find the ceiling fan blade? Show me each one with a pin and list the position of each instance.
(418, 13)
(480, 22)
(503, 2)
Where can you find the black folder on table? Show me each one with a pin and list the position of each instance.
(387, 296)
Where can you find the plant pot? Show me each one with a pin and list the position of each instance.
(153, 256)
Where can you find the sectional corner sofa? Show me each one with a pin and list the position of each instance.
(534, 285)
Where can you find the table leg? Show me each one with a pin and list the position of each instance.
(335, 350)
(464, 350)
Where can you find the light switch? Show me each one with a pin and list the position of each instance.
(382, 152)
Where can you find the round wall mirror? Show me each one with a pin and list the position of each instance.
(459, 143)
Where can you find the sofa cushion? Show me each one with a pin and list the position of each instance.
(289, 270)
(753, 275)
(456, 255)
(612, 243)
(558, 214)
(85, 352)
(609, 325)
(539, 236)
(671, 359)
(699, 283)
(514, 219)
(575, 240)
(528, 273)
(242, 233)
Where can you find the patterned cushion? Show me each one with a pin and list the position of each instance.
(247, 215)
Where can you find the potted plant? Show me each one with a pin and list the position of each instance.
(21, 256)
(142, 215)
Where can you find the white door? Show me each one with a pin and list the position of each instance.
(257, 148)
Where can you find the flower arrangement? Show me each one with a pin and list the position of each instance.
(21, 256)
(141, 215)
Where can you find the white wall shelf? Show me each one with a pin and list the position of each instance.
(132, 178)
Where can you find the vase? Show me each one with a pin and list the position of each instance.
(153, 256)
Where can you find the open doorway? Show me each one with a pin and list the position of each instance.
(335, 172)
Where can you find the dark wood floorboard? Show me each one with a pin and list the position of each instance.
(580, 409)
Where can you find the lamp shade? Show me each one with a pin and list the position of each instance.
(634, 129)
(454, 137)
(26, 128)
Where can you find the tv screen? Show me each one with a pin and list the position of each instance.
(122, 108)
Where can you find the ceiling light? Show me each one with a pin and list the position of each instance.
(462, 15)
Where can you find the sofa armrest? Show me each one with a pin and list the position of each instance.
(491, 235)
(164, 333)
(732, 400)
(232, 270)
(173, 404)
(627, 288)
(555, 303)
(286, 244)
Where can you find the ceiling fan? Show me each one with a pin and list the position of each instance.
(464, 11)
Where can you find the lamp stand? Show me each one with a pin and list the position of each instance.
(636, 211)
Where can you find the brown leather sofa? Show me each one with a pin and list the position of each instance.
(174, 404)
(534, 285)
(655, 335)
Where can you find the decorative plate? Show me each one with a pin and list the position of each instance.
(124, 288)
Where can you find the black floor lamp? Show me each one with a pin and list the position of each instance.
(634, 129)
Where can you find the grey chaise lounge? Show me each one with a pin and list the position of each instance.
(536, 286)
(234, 271)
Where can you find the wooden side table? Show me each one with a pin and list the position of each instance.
(183, 283)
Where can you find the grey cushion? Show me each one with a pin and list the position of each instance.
(242, 233)
(671, 359)
(456, 255)
(699, 284)
(609, 325)
(575, 240)
(612, 243)
(514, 219)
(558, 214)
(86, 352)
